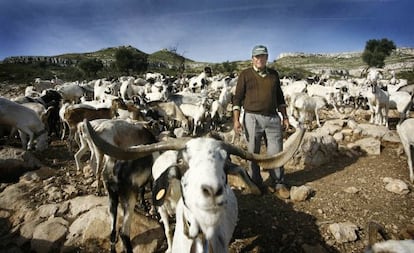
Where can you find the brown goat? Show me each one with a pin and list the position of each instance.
(75, 114)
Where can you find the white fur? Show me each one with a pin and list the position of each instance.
(210, 205)
(393, 246)
(405, 130)
(26, 121)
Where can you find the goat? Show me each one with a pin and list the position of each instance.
(387, 246)
(71, 92)
(76, 113)
(304, 107)
(199, 82)
(41, 111)
(219, 106)
(26, 121)
(30, 91)
(129, 89)
(170, 112)
(331, 94)
(379, 102)
(41, 85)
(166, 172)
(50, 99)
(102, 89)
(402, 101)
(405, 130)
(207, 201)
(294, 87)
(195, 112)
(112, 131)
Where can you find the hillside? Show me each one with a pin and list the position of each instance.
(402, 59)
(26, 68)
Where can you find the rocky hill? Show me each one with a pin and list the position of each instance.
(402, 59)
(348, 63)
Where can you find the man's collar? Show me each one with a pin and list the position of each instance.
(260, 72)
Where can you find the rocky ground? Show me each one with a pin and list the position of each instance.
(349, 188)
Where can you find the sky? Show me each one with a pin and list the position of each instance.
(202, 30)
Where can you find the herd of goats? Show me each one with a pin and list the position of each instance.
(148, 128)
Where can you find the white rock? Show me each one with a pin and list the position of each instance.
(343, 232)
(396, 186)
(300, 193)
(351, 190)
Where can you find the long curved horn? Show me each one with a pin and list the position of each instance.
(134, 152)
(268, 162)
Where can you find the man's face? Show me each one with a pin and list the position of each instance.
(259, 61)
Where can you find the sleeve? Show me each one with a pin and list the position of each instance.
(280, 98)
(240, 92)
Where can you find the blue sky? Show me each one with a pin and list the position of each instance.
(202, 30)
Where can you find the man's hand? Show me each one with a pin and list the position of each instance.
(286, 124)
(238, 128)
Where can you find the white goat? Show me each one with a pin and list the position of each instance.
(207, 211)
(294, 87)
(41, 85)
(219, 106)
(198, 82)
(196, 112)
(129, 89)
(379, 103)
(71, 92)
(102, 89)
(402, 101)
(166, 189)
(405, 130)
(30, 91)
(303, 107)
(332, 95)
(167, 171)
(388, 245)
(26, 121)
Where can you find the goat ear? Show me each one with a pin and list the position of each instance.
(162, 183)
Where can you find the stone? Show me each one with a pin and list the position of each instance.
(396, 186)
(343, 232)
(300, 193)
(370, 145)
(49, 235)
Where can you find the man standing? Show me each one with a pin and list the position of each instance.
(258, 91)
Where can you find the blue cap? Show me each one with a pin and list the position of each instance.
(258, 50)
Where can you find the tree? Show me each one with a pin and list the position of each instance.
(229, 67)
(90, 66)
(128, 60)
(376, 51)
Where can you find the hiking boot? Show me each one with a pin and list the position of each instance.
(282, 191)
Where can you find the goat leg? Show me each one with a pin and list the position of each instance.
(128, 203)
(113, 210)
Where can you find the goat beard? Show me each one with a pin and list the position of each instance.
(207, 216)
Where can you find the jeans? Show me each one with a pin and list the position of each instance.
(269, 128)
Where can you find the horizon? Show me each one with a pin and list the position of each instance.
(282, 54)
(203, 31)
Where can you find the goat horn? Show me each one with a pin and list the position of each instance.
(134, 152)
(268, 162)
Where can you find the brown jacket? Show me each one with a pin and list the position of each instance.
(257, 94)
